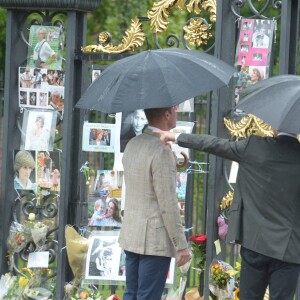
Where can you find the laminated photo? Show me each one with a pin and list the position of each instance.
(103, 259)
(25, 170)
(41, 88)
(181, 127)
(104, 211)
(44, 49)
(98, 137)
(38, 130)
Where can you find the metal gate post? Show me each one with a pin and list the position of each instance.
(17, 13)
(289, 37)
(221, 104)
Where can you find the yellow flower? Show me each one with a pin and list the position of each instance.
(31, 217)
(23, 281)
(232, 273)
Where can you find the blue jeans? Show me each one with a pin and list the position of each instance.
(145, 276)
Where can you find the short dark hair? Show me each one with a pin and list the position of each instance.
(155, 113)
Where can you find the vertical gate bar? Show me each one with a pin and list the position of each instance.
(15, 56)
(71, 160)
(222, 102)
(289, 37)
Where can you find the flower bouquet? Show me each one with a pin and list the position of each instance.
(221, 279)
(199, 253)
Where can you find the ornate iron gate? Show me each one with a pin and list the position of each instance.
(205, 191)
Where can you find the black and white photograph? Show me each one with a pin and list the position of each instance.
(132, 124)
(95, 74)
(39, 128)
(103, 258)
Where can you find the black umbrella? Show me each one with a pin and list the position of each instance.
(155, 78)
(276, 101)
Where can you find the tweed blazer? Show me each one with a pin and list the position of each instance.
(265, 213)
(151, 223)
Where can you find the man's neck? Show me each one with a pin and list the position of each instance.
(160, 125)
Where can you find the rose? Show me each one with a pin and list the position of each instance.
(199, 250)
(198, 239)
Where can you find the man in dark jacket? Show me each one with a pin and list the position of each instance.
(264, 216)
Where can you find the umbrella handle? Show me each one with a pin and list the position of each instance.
(185, 160)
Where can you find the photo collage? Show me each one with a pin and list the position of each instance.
(40, 97)
(253, 51)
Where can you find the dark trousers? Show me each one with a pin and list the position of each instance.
(259, 271)
(145, 276)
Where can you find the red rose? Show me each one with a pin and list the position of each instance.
(198, 239)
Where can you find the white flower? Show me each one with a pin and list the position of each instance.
(31, 217)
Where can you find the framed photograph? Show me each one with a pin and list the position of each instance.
(98, 137)
(39, 129)
(25, 170)
(104, 258)
(132, 124)
(44, 51)
(182, 127)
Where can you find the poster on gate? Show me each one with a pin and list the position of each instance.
(253, 51)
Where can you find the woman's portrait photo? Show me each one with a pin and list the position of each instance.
(39, 127)
(56, 97)
(132, 124)
(24, 166)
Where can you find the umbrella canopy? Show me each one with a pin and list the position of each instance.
(155, 78)
(276, 101)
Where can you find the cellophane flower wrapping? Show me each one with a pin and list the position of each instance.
(176, 294)
(39, 233)
(221, 283)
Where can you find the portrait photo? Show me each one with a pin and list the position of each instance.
(44, 51)
(56, 97)
(103, 259)
(39, 128)
(95, 74)
(98, 137)
(25, 170)
(132, 124)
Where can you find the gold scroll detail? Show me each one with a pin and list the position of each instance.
(247, 126)
(159, 14)
(134, 38)
(197, 32)
(226, 200)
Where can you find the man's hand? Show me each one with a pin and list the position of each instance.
(183, 256)
(166, 136)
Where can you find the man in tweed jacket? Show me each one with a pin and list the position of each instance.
(151, 232)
